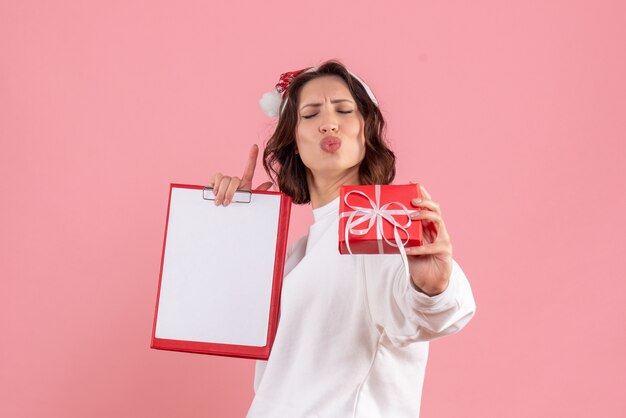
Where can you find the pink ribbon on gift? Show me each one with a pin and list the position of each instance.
(374, 215)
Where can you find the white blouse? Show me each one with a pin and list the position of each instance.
(352, 339)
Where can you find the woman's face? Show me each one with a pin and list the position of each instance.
(329, 134)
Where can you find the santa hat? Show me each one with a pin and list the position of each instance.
(271, 101)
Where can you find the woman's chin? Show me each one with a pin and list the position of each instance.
(335, 168)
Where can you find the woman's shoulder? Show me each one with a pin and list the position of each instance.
(297, 245)
(295, 253)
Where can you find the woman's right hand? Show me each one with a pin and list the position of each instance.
(224, 187)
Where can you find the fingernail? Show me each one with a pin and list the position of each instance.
(216, 202)
(226, 202)
(418, 200)
(415, 214)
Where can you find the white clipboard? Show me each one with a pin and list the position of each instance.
(221, 272)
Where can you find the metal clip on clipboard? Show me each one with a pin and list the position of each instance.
(241, 196)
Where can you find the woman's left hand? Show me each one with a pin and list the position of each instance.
(430, 264)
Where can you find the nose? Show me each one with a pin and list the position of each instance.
(329, 125)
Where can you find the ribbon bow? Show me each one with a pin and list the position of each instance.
(374, 215)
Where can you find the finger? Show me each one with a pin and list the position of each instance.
(428, 215)
(423, 195)
(442, 248)
(232, 188)
(265, 186)
(215, 182)
(433, 226)
(248, 172)
(427, 204)
(430, 232)
(222, 187)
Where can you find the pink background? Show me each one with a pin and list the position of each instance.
(510, 113)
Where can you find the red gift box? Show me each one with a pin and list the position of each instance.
(375, 219)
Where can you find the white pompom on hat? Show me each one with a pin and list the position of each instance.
(271, 101)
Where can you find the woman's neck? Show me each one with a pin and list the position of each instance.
(324, 189)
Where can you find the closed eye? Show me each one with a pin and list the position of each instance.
(340, 111)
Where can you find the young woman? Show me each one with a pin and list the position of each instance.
(353, 335)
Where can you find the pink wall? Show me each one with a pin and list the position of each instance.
(511, 114)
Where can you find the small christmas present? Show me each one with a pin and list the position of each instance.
(375, 219)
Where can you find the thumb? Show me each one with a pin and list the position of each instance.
(264, 186)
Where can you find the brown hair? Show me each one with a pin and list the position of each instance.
(286, 168)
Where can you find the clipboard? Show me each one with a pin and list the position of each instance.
(221, 272)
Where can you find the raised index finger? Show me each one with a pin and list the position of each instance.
(248, 172)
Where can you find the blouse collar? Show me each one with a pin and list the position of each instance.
(323, 211)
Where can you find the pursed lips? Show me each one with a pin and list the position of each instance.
(330, 144)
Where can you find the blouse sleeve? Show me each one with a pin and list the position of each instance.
(407, 315)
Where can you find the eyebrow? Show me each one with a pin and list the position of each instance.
(332, 101)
